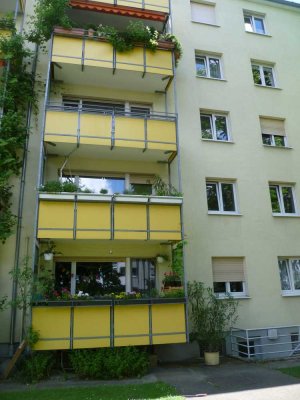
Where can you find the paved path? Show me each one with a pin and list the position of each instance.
(232, 380)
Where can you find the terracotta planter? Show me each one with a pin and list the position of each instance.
(212, 358)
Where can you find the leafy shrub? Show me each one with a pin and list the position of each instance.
(36, 366)
(57, 187)
(109, 363)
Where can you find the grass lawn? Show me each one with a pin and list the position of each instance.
(293, 371)
(158, 391)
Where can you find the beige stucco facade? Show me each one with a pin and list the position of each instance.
(253, 233)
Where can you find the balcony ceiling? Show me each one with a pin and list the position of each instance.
(104, 77)
(118, 153)
(85, 17)
(8, 6)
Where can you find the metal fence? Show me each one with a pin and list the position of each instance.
(264, 343)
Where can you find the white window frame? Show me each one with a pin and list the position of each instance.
(207, 69)
(292, 291)
(273, 144)
(212, 117)
(220, 197)
(232, 294)
(262, 75)
(280, 199)
(252, 16)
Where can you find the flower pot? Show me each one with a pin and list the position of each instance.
(212, 358)
(48, 256)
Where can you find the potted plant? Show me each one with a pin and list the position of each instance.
(50, 251)
(211, 317)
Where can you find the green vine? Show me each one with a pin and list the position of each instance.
(7, 23)
(16, 92)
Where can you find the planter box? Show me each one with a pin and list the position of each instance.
(56, 196)
(94, 197)
(130, 199)
(166, 200)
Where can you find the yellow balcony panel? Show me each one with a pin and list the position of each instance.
(161, 135)
(130, 132)
(91, 327)
(93, 220)
(98, 323)
(165, 222)
(131, 325)
(131, 60)
(53, 325)
(96, 55)
(95, 129)
(130, 221)
(67, 50)
(159, 62)
(56, 219)
(168, 323)
(61, 127)
(148, 5)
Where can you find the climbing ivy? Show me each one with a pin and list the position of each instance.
(16, 92)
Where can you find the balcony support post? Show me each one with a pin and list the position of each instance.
(112, 218)
(82, 54)
(145, 62)
(113, 130)
(150, 325)
(114, 60)
(75, 218)
(112, 325)
(78, 126)
(145, 133)
(71, 327)
(148, 218)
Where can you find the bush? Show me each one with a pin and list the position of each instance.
(109, 363)
(36, 366)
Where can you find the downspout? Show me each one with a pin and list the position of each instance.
(20, 211)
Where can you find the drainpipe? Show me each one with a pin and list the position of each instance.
(20, 214)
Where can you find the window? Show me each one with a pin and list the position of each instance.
(282, 199)
(273, 133)
(140, 111)
(143, 275)
(289, 270)
(203, 13)
(94, 278)
(263, 75)
(254, 23)
(214, 126)
(221, 197)
(141, 184)
(208, 67)
(228, 276)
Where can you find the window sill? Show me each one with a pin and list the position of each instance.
(236, 297)
(224, 214)
(211, 79)
(217, 141)
(259, 34)
(286, 215)
(278, 147)
(293, 294)
(206, 23)
(267, 87)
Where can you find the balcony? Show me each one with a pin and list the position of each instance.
(107, 217)
(93, 61)
(148, 137)
(109, 323)
(147, 5)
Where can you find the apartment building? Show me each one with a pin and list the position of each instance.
(220, 127)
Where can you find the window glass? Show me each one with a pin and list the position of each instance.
(141, 189)
(94, 105)
(248, 23)
(214, 67)
(228, 196)
(296, 273)
(143, 275)
(259, 25)
(140, 111)
(100, 278)
(288, 200)
(63, 277)
(236, 287)
(221, 127)
(269, 78)
(284, 275)
(256, 74)
(267, 139)
(97, 185)
(274, 194)
(220, 287)
(206, 127)
(212, 197)
(201, 66)
(279, 141)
